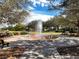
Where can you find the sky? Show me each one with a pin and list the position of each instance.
(39, 10)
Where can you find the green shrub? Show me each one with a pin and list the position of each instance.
(15, 33)
(23, 33)
(20, 27)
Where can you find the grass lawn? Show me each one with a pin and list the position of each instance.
(53, 33)
(48, 33)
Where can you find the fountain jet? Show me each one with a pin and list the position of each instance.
(39, 26)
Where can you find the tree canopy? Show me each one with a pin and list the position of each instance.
(70, 9)
(11, 11)
(32, 25)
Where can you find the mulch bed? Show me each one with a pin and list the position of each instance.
(69, 50)
(17, 51)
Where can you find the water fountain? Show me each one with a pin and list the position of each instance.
(38, 30)
(39, 26)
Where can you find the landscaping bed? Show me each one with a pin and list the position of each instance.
(43, 49)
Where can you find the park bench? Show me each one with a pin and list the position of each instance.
(3, 44)
(69, 50)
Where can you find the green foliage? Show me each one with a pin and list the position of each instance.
(59, 24)
(31, 25)
(15, 33)
(18, 32)
(71, 10)
(20, 27)
(11, 12)
(11, 28)
(17, 27)
(23, 33)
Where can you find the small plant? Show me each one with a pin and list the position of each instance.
(15, 33)
(23, 33)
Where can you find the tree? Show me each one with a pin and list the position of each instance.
(58, 23)
(48, 25)
(20, 27)
(31, 26)
(63, 23)
(17, 27)
(73, 10)
(11, 12)
(70, 8)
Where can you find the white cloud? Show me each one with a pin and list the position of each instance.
(43, 1)
(40, 2)
(36, 16)
(30, 8)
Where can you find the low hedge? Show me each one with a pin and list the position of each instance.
(23, 32)
(19, 32)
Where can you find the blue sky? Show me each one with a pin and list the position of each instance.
(39, 10)
(41, 7)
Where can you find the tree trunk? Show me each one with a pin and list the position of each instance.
(78, 28)
(78, 31)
